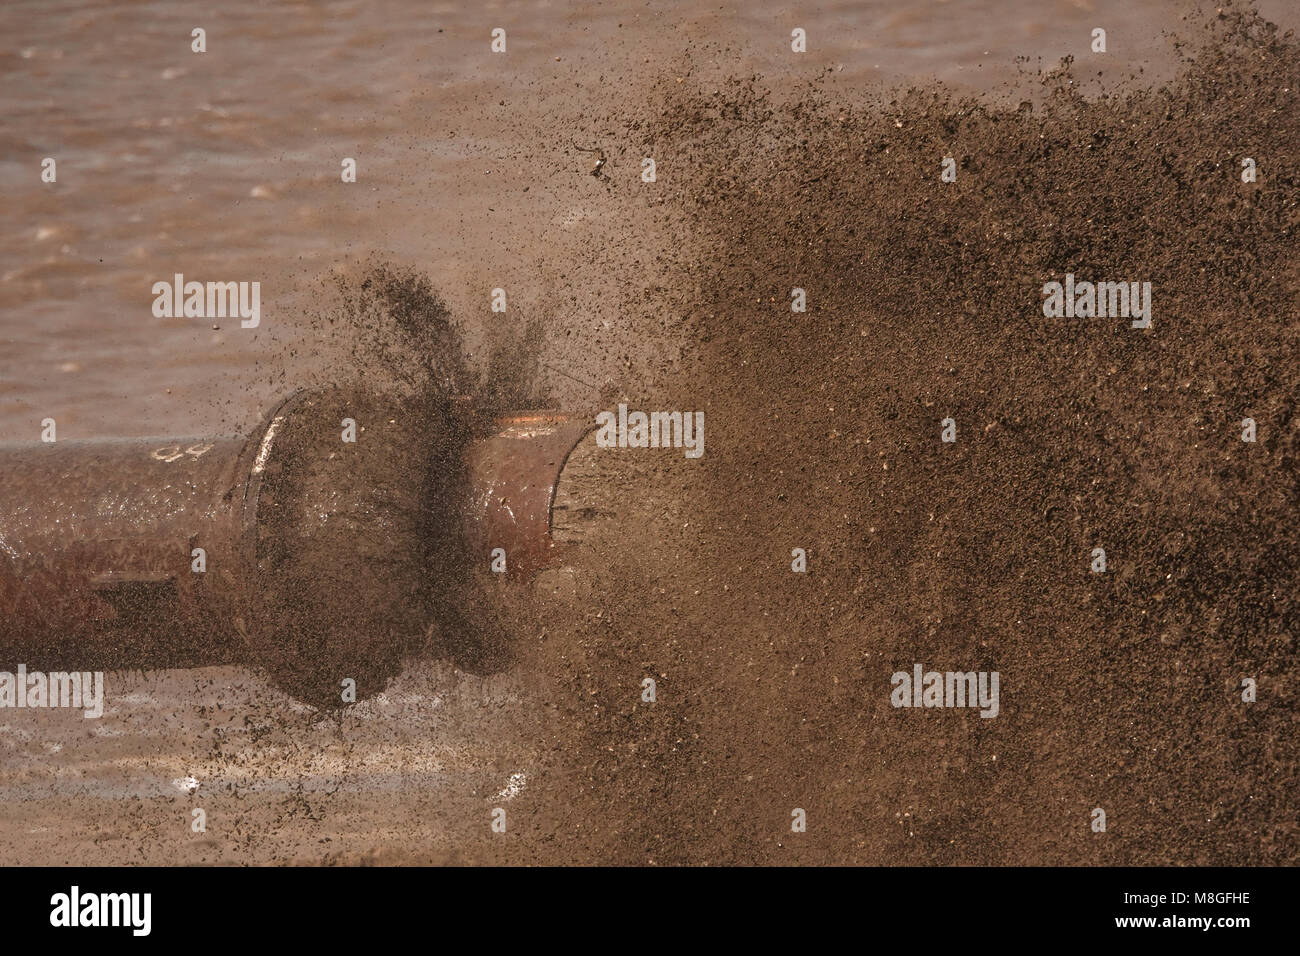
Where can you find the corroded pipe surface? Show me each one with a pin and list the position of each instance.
(98, 542)
(100, 564)
(513, 475)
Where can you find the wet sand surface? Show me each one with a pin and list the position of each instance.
(404, 773)
(225, 166)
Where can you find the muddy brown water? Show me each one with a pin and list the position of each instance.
(772, 690)
(226, 166)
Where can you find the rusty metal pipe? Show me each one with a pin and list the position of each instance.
(98, 539)
(513, 474)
